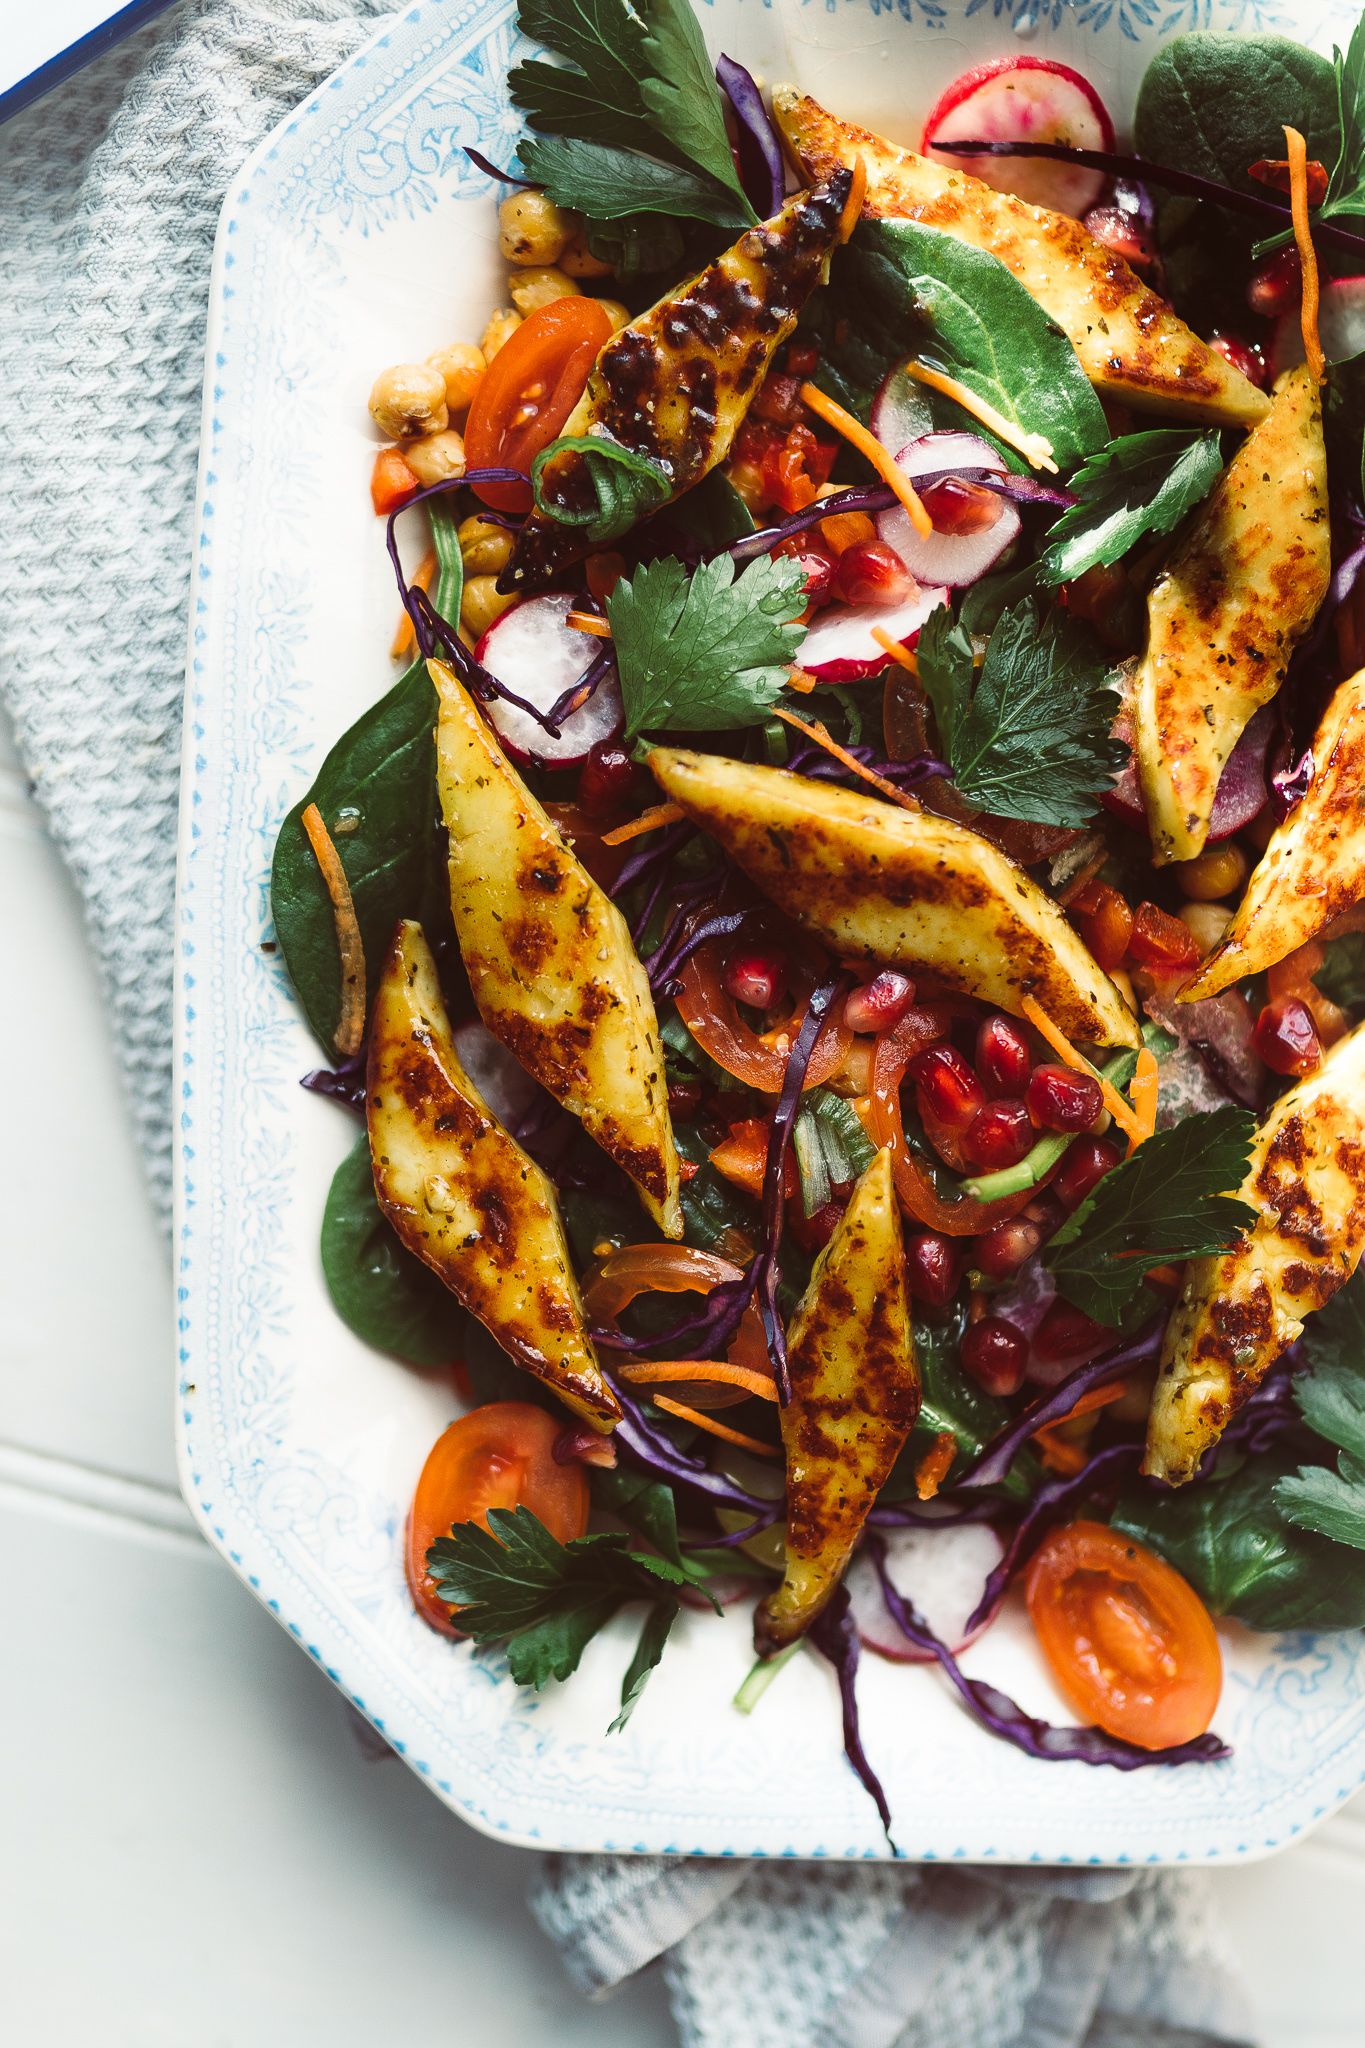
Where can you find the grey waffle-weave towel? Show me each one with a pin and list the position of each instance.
(109, 197)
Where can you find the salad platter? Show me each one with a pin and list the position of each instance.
(818, 741)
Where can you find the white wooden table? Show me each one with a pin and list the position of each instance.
(196, 1850)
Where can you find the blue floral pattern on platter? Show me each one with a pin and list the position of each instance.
(357, 235)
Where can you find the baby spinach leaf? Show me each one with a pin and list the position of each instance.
(640, 245)
(1212, 104)
(1341, 976)
(705, 653)
(496, 1377)
(1140, 484)
(378, 1287)
(953, 1402)
(609, 184)
(961, 311)
(712, 512)
(626, 487)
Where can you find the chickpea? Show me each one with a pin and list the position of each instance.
(618, 314)
(481, 604)
(1217, 871)
(532, 289)
(408, 400)
(435, 457)
(578, 260)
(1208, 922)
(485, 550)
(462, 366)
(533, 229)
(499, 331)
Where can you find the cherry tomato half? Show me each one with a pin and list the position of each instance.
(528, 391)
(501, 1456)
(1130, 1643)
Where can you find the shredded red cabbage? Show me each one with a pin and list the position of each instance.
(908, 1514)
(1052, 1503)
(834, 1634)
(1289, 786)
(761, 170)
(645, 859)
(1006, 1718)
(345, 1083)
(673, 956)
(993, 1465)
(877, 498)
(480, 162)
(819, 766)
(651, 1451)
(578, 694)
(774, 1511)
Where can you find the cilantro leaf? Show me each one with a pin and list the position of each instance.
(1168, 1201)
(626, 487)
(1331, 1399)
(609, 184)
(1143, 483)
(680, 92)
(704, 654)
(1033, 740)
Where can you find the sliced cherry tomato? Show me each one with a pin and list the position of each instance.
(501, 1456)
(1129, 1642)
(528, 391)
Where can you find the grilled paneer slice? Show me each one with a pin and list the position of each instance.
(1226, 613)
(1130, 344)
(855, 1398)
(1313, 868)
(676, 383)
(883, 884)
(463, 1195)
(549, 957)
(1240, 1309)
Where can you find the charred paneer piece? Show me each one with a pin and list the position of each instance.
(855, 1398)
(676, 383)
(550, 958)
(1226, 613)
(1240, 1309)
(881, 884)
(1313, 868)
(1130, 344)
(463, 1195)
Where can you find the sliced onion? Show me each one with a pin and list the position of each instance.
(538, 655)
(951, 558)
(942, 1571)
(757, 1059)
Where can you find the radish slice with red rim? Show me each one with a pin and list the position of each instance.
(1341, 326)
(954, 557)
(941, 1570)
(538, 655)
(1025, 99)
(839, 647)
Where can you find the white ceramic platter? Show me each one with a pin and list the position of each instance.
(358, 235)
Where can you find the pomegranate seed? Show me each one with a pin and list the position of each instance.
(1286, 1037)
(995, 1354)
(872, 573)
(813, 1233)
(803, 355)
(1060, 1100)
(684, 1099)
(818, 562)
(778, 398)
(607, 778)
(999, 1135)
(951, 1090)
(1066, 1332)
(1083, 1167)
(1002, 1057)
(1241, 355)
(756, 975)
(932, 1267)
(1117, 230)
(1047, 1211)
(1274, 285)
(958, 507)
(882, 1002)
(999, 1253)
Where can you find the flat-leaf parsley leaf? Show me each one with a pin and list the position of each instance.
(705, 653)
(610, 184)
(1143, 483)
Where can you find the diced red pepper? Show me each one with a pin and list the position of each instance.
(392, 482)
(1160, 940)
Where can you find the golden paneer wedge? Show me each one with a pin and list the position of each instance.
(549, 957)
(855, 1398)
(1130, 344)
(676, 383)
(463, 1195)
(1313, 868)
(887, 885)
(1240, 1309)
(1226, 613)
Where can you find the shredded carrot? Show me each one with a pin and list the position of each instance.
(684, 1369)
(405, 639)
(1143, 1090)
(885, 464)
(588, 622)
(351, 1026)
(906, 656)
(648, 821)
(857, 192)
(1123, 1114)
(731, 1436)
(1303, 237)
(801, 680)
(820, 735)
(934, 1466)
(1035, 448)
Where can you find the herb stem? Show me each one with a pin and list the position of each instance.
(762, 1676)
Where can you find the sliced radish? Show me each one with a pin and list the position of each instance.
(500, 1078)
(839, 647)
(941, 1570)
(1241, 791)
(951, 558)
(538, 655)
(900, 412)
(1024, 99)
(1341, 326)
